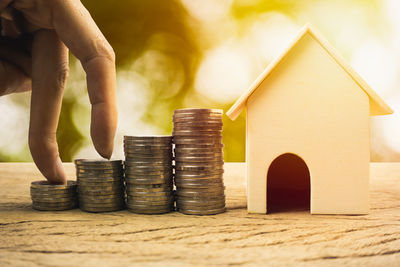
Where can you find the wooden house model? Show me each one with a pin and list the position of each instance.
(307, 131)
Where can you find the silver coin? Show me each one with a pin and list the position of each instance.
(181, 184)
(199, 187)
(199, 168)
(98, 167)
(150, 198)
(199, 146)
(148, 161)
(149, 207)
(197, 173)
(147, 190)
(201, 200)
(198, 133)
(199, 176)
(149, 164)
(202, 212)
(102, 188)
(166, 180)
(165, 177)
(149, 141)
(151, 194)
(116, 195)
(201, 121)
(160, 176)
(148, 181)
(148, 172)
(191, 122)
(99, 179)
(194, 207)
(136, 202)
(196, 194)
(147, 146)
(188, 141)
(45, 185)
(189, 159)
(82, 182)
(148, 152)
(57, 193)
(92, 162)
(198, 110)
(58, 208)
(54, 204)
(204, 126)
(100, 209)
(99, 172)
(201, 164)
(92, 172)
(53, 199)
(134, 156)
(86, 204)
(158, 166)
(212, 138)
(148, 137)
(199, 181)
(48, 192)
(199, 129)
(92, 193)
(149, 175)
(151, 212)
(199, 116)
(150, 187)
(101, 202)
(99, 175)
(199, 152)
(203, 189)
(148, 158)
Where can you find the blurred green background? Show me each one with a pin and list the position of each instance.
(189, 53)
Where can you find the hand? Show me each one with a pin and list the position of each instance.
(36, 35)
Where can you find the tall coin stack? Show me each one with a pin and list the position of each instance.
(197, 136)
(46, 196)
(149, 174)
(100, 185)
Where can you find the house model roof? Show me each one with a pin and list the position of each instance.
(377, 105)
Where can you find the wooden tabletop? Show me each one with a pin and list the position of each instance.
(75, 238)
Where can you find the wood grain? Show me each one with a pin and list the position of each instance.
(75, 238)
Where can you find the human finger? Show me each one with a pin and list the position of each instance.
(80, 34)
(49, 74)
(14, 51)
(12, 79)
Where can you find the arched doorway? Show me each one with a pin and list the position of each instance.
(288, 184)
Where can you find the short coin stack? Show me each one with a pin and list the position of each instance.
(46, 196)
(149, 174)
(199, 161)
(100, 185)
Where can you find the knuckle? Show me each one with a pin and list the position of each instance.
(104, 49)
(61, 75)
(41, 143)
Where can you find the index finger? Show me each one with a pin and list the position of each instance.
(76, 28)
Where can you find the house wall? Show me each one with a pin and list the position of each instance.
(311, 107)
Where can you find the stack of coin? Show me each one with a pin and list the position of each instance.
(100, 185)
(52, 197)
(149, 174)
(197, 137)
